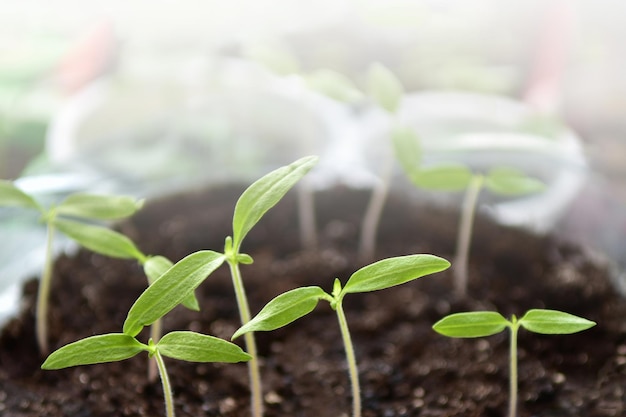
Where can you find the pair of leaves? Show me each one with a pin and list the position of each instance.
(386, 273)
(179, 281)
(499, 180)
(487, 323)
(384, 87)
(85, 206)
(183, 345)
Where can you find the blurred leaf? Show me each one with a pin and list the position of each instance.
(509, 181)
(407, 149)
(101, 207)
(275, 57)
(384, 87)
(99, 239)
(196, 347)
(472, 324)
(10, 195)
(334, 85)
(393, 271)
(443, 178)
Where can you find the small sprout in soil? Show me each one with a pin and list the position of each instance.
(454, 177)
(487, 323)
(179, 281)
(182, 345)
(63, 217)
(386, 91)
(297, 303)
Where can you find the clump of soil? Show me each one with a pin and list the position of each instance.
(406, 369)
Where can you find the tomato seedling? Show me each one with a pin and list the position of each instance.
(297, 303)
(73, 217)
(487, 323)
(179, 281)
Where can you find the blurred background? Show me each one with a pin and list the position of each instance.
(148, 97)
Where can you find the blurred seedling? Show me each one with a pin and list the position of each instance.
(454, 177)
(297, 303)
(487, 323)
(74, 217)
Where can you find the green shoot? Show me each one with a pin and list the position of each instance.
(385, 90)
(182, 345)
(455, 177)
(297, 303)
(487, 323)
(179, 281)
(70, 217)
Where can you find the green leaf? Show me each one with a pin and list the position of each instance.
(393, 271)
(11, 196)
(443, 178)
(276, 57)
(509, 181)
(155, 266)
(171, 289)
(100, 239)
(196, 347)
(334, 85)
(284, 309)
(554, 322)
(407, 149)
(263, 194)
(472, 324)
(102, 207)
(96, 349)
(384, 87)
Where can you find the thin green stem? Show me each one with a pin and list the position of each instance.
(256, 400)
(369, 226)
(155, 335)
(306, 217)
(350, 357)
(514, 327)
(43, 294)
(167, 387)
(465, 235)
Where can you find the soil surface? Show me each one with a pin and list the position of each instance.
(406, 369)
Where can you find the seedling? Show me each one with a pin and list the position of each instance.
(487, 323)
(182, 345)
(86, 207)
(455, 177)
(297, 303)
(386, 92)
(179, 281)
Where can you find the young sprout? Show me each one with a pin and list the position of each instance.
(487, 323)
(455, 177)
(64, 218)
(182, 345)
(297, 303)
(179, 281)
(386, 91)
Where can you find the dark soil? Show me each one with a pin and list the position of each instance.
(406, 369)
